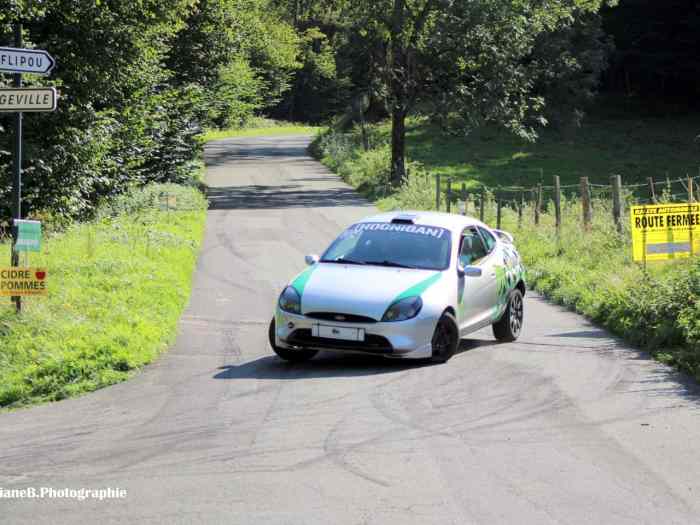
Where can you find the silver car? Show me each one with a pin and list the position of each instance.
(402, 285)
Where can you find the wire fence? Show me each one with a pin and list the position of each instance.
(546, 198)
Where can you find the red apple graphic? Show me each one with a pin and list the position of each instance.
(41, 275)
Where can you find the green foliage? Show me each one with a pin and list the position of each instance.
(138, 82)
(568, 64)
(237, 95)
(241, 54)
(117, 287)
(119, 121)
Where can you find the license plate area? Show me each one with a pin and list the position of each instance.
(338, 332)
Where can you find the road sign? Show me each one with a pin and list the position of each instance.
(14, 60)
(662, 232)
(25, 100)
(17, 282)
(28, 236)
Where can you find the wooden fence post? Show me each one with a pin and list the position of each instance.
(690, 211)
(465, 198)
(481, 204)
(437, 192)
(557, 202)
(449, 195)
(538, 204)
(521, 205)
(690, 190)
(586, 204)
(499, 206)
(616, 181)
(652, 191)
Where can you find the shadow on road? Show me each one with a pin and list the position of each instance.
(259, 197)
(330, 365)
(239, 150)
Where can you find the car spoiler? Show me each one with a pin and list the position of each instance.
(504, 236)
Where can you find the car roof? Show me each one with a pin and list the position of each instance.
(449, 221)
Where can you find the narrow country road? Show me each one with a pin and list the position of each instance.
(565, 426)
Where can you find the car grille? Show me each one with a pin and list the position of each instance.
(373, 344)
(340, 318)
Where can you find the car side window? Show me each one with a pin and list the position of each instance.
(489, 239)
(472, 248)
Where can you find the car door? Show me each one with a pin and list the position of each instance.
(491, 265)
(476, 294)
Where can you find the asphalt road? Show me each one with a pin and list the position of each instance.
(565, 426)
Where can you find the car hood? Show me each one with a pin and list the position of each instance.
(358, 290)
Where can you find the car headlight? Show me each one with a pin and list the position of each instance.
(403, 310)
(290, 300)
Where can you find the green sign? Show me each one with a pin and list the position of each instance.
(28, 236)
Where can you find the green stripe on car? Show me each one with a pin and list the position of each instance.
(418, 289)
(300, 282)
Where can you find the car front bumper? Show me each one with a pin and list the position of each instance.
(403, 339)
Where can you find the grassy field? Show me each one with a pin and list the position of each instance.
(635, 148)
(593, 273)
(261, 128)
(117, 287)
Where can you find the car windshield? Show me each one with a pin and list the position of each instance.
(392, 245)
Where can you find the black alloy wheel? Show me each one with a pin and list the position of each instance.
(445, 339)
(509, 326)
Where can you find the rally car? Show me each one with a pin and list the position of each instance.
(402, 285)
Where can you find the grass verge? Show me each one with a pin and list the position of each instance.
(657, 308)
(117, 287)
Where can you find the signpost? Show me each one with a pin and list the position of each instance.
(13, 60)
(662, 232)
(28, 236)
(18, 100)
(23, 282)
(27, 99)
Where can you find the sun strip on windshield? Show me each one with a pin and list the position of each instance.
(432, 231)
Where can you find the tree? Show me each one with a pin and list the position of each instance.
(137, 81)
(240, 52)
(656, 54)
(472, 60)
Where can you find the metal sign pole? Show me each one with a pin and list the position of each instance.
(17, 182)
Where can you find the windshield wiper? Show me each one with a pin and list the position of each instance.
(392, 264)
(340, 260)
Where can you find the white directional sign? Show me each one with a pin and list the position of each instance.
(13, 60)
(27, 99)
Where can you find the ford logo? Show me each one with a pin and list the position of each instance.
(340, 318)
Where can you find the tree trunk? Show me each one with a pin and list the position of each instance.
(398, 146)
(399, 95)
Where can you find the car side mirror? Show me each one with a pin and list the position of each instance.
(469, 271)
(312, 259)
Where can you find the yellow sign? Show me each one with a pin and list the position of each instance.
(662, 232)
(15, 282)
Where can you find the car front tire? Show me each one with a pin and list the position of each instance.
(295, 356)
(445, 339)
(507, 329)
